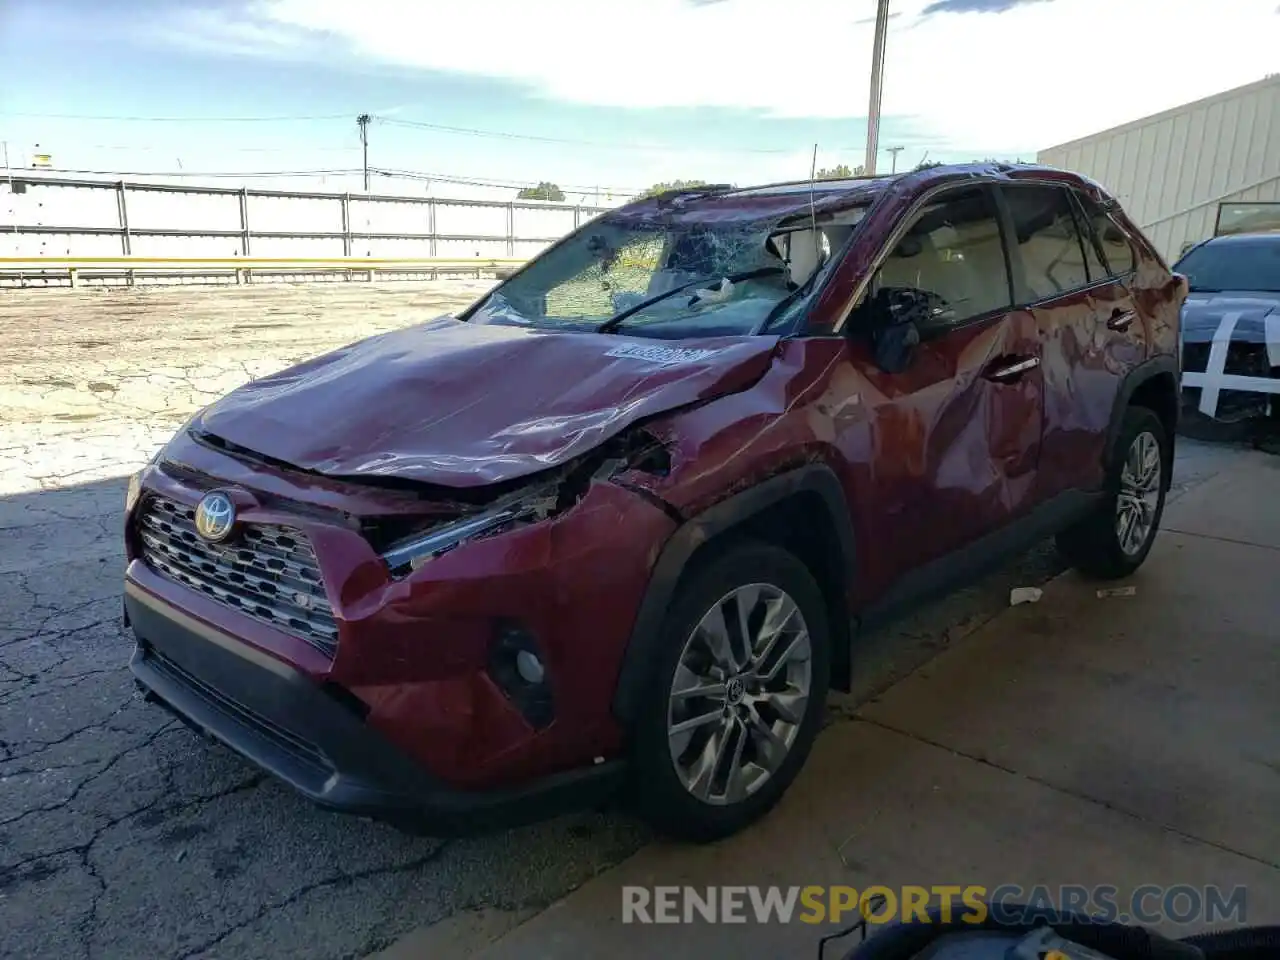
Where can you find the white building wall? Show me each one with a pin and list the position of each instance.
(1170, 171)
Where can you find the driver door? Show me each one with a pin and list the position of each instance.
(956, 433)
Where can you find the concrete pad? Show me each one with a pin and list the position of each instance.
(1242, 505)
(877, 807)
(454, 937)
(1163, 704)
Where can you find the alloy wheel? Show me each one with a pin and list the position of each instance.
(740, 693)
(1139, 497)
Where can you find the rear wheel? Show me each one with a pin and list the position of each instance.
(736, 699)
(1115, 539)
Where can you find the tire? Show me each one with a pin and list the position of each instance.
(1094, 546)
(668, 791)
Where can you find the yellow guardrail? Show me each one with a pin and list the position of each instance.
(243, 267)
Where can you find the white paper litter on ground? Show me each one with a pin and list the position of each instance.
(1024, 595)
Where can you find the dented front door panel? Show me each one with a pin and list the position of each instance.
(929, 458)
(954, 441)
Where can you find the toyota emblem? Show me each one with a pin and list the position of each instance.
(215, 517)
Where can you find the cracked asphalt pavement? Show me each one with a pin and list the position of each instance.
(123, 833)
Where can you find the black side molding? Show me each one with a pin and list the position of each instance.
(814, 478)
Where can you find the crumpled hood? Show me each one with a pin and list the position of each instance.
(1203, 313)
(461, 404)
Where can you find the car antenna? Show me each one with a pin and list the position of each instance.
(813, 217)
(813, 176)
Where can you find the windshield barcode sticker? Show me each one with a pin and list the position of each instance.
(660, 355)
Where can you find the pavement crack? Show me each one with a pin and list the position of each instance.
(1222, 539)
(102, 770)
(1069, 792)
(337, 881)
(31, 687)
(41, 632)
(43, 745)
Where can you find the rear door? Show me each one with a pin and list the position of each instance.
(1118, 332)
(1084, 313)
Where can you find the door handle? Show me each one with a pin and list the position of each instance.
(1120, 319)
(1013, 370)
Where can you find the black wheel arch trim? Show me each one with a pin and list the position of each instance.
(1144, 372)
(721, 518)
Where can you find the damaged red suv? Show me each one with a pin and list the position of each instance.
(614, 528)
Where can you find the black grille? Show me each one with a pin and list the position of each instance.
(300, 747)
(1243, 359)
(267, 572)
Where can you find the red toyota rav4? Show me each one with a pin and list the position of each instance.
(618, 524)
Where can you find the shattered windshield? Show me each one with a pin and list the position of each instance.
(672, 280)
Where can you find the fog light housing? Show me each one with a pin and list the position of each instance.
(518, 668)
(529, 667)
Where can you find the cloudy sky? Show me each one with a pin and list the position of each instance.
(596, 92)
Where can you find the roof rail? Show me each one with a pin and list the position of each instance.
(666, 196)
(802, 180)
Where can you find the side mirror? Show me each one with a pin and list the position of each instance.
(1183, 286)
(895, 316)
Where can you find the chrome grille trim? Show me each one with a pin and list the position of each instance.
(267, 572)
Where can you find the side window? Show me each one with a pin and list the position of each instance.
(1047, 241)
(1092, 253)
(1111, 239)
(953, 253)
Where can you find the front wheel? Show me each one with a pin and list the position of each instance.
(736, 698)
(1115, 539)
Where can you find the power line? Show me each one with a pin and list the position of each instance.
(139, 119)
(170, 149)
(505, 135)
(421, 125)
(412, 175)
(193, 173)
(504, 184)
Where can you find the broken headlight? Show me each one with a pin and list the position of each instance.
(541, 499)
(411, 553)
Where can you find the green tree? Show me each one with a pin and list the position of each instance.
(546, 190)
(658, 188)
(840, 171)
(929, 165)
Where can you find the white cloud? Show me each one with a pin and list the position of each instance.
(1028, 77)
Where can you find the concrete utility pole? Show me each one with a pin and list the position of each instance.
(894, 151)
(877, 76)
(363, 120)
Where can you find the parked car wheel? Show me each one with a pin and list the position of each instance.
(1114, 540)
(736, 699)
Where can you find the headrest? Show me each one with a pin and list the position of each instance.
(805, 255)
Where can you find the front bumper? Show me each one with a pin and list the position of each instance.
(1240, 381)
(317, 742)
(425, 657)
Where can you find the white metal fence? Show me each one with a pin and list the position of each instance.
(49, 225)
